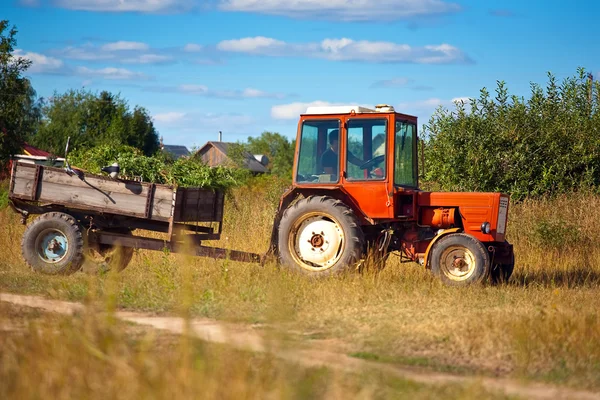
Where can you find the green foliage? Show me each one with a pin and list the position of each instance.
(91, 119)
(184, 172)
(557, 234)
(278, 149)
(547, 144)
(19, 110)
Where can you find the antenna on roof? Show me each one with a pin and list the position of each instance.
(220, 136)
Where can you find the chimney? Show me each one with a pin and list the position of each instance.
(220, 136)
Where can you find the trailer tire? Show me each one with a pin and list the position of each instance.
(53, 244)
(460, 260)
(320, 236)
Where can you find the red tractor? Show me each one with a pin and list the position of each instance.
(355, 190)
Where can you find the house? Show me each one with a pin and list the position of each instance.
(176, 151)
(219, 154)
(32, 155)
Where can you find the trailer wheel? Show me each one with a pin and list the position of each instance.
(501, 273)
(107, 257)
(320, 236)
(460, 259)
(53, 244)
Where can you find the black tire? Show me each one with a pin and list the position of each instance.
(339, 234)
(501, 273)
(53, 244)
(108, 257)
(460, 260)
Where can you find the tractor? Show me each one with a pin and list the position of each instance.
(355, 191)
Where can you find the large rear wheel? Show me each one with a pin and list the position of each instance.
(460, 260)
(320, 236)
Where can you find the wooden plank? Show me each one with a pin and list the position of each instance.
(91, 199)
(98, 183)
(162, 207)
(25, 171)
(22, 187)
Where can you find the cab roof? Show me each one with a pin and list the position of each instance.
(348, 109)
(354, 109)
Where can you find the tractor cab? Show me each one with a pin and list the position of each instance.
(369, 154)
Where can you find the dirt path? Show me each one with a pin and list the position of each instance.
(245, 338)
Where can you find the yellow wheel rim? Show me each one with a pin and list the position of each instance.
(457, 263)
(316, 241)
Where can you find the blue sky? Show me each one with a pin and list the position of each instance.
(245, 66)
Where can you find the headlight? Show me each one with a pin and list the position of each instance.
(486, 228)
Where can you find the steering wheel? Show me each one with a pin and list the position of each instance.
(372, 162)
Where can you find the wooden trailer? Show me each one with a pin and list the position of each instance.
(81, 212)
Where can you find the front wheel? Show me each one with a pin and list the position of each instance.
(460, 260)
(320, 236)
(53, 244)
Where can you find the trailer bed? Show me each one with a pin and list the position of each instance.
(102, 194)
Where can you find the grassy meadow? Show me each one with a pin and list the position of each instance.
(541, 326)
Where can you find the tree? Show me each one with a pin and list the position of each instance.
(549, 143)
(277, 148)
(92, 119)
(19, 109)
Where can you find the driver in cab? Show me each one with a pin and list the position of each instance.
(330, 158)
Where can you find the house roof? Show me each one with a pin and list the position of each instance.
(176, 150)
(250, 162)
(34, 151)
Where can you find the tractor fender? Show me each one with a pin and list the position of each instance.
(434, 240)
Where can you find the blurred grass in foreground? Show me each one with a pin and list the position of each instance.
(542, 325)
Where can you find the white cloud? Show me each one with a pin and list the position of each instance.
(169, 117)
(146, 59)
(355, 10)
(40, 63)
(251, 93)
(345, 49)
(110, 73)
(143, 6)
(124, 45)
(30, 3)
(192, 48)
(258, 44)
(394, 82)
(293, 110)
(197, 89)
(336, 10)
(202, 90)
(123, 52)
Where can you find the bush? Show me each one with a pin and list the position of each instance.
(184, 172)
(547, 144)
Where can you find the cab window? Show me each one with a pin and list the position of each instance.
(405, 169)
(318, 159)
(366, 149)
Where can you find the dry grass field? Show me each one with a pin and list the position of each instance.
(541, 326)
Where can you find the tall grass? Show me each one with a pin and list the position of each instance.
(541, 325)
